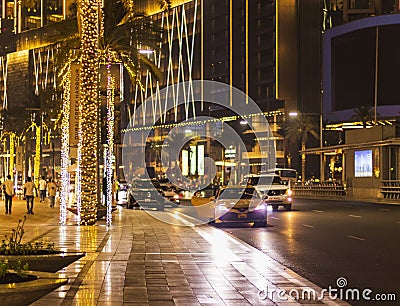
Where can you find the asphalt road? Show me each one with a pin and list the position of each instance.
(325, 240)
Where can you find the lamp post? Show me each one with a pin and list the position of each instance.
(321, 143)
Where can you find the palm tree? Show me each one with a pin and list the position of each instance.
(364, 114)
(117, 43)
(300, 129)
(122, 31)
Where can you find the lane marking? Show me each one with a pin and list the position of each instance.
(357, 238)
(385, 209)
(274, 218)
(355, 216)
(318, 211)
(307, 225)
(398, 221)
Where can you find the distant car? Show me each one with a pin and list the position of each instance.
(275, 191)
(146, 193)
(240, 204)
(170, 193)
(204, 196)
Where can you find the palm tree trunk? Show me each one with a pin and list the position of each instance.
(303, 161)
(89, 110)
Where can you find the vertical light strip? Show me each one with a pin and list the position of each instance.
(41, 13)
(230, 52)
(64, 194)
(36, 71)
(190, 86)
(12, 151)
(47, 69)
(110, 141)
(277, 49)
(36, 169)
(201, 53)
(19, 16)
(15, 16)
(247, 51)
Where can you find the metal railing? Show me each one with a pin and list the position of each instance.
(319, 189)
(390, 189)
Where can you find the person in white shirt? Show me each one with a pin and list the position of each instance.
(29, 187)
(42, 188)
(8, 188)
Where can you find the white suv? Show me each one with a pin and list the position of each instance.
(276, 192)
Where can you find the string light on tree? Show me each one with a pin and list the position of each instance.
(110, 142)
(64, 194)
(89, 110)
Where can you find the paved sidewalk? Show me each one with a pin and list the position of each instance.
(140, 260)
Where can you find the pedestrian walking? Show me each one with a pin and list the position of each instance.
(52, 191)
(116, 188)
(8, 188)
(42, 188)
(29, 188)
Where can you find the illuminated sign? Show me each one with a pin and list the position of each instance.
(363, 163)
(193, 160)
(185, 162)
(200, 159)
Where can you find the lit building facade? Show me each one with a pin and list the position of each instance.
(268, 49)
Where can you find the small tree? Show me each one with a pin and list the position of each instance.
(299, 129)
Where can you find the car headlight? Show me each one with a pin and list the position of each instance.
(176, 196)
(222, 207)
(289, 192)
(261, 206)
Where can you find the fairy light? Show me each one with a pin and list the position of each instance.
(12, 151)
(110, 141)
(64, 194)
(36, 167)
(89, 110)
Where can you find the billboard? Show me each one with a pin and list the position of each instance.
(363, 163)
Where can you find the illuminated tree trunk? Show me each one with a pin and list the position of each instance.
(36, 169)
(64, 192)
(110, 140)
(303, 160)
(89, 110)
(12, 151)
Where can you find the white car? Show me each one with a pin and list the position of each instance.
(275, 191)
(170, 193)
(240, 204)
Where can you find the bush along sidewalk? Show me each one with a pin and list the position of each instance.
(38, 255)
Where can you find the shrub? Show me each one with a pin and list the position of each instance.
(12, 244)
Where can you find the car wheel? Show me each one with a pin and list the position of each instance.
(275, 207)
(288, 207)
(260, 223)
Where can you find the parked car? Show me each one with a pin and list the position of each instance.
(171, 193)
(146, 193)
(240, 204)
(204, 196)
(275, 191)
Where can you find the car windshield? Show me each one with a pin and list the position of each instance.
(237, 193)
(146, 184)
(264, 180)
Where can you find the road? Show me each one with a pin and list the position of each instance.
(324, 240)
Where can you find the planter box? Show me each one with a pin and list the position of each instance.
(27, 292)
(46, 263)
